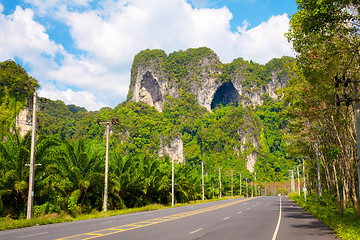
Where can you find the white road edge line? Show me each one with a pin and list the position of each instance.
(195, 231)
(278, 224)
(32, 235)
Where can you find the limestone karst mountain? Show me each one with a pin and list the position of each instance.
(156, 75)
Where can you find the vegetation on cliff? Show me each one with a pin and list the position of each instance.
(16, 86)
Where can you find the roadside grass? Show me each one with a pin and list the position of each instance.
(346, 225)
(7, 223)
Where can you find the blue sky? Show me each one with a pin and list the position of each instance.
(81, 51)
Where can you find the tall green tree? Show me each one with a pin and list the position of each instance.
(82, 167)
(325, 34)
(14, 175)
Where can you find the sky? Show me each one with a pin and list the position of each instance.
(81, 51)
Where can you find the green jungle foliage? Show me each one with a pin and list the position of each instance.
(71, 149)
(325, 35)
(16, 86)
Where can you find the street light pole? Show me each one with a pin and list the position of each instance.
(246, 183)
(107, 133)
(202, 178)
(232, 182)
(106, 167)
(32, 163)
(252, 190)
(220, 181)
(240, 184)
(172, 183)
(298, 175)
(304, 178)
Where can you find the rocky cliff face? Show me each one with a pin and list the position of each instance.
(23, 121)
(155, 75)
(199, 71)
(175, 150)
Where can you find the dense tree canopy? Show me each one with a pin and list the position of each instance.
(325, 35)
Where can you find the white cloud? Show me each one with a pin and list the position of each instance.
(112, 33)
(27, 40)
(79, 98)
(267, 41)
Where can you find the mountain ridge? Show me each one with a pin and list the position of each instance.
(155, 75)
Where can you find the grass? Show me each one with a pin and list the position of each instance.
(346, 225)
(8, 223)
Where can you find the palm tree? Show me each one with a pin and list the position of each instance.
(81, 166)
(156, 181)
(14, 175)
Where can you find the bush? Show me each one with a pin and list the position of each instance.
(46, 208)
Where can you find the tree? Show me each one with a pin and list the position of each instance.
(14, 175)
(325, 34)
(81, 166)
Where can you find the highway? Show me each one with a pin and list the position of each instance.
(273, 218)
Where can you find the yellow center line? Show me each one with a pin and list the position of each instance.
(146, 223)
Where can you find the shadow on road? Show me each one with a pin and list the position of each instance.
(297, 218)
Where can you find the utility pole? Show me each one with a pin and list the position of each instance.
(202, 178)
(107, 133)
(30, 204)
(240, 184)
(298, 175)
(305, 190)
(172, 183)
(220, 181)
(252, 189)
(212, 186)
(246, 183)
(232, 182)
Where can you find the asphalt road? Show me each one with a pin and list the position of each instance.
(275, 218)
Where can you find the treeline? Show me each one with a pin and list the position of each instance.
(325, 35)
(71, 178)
(71, 149)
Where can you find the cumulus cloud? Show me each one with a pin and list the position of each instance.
(68, 96)
(267, 41)
(110, 33)
(25, 38)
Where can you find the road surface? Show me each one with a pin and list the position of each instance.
(273, 218)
